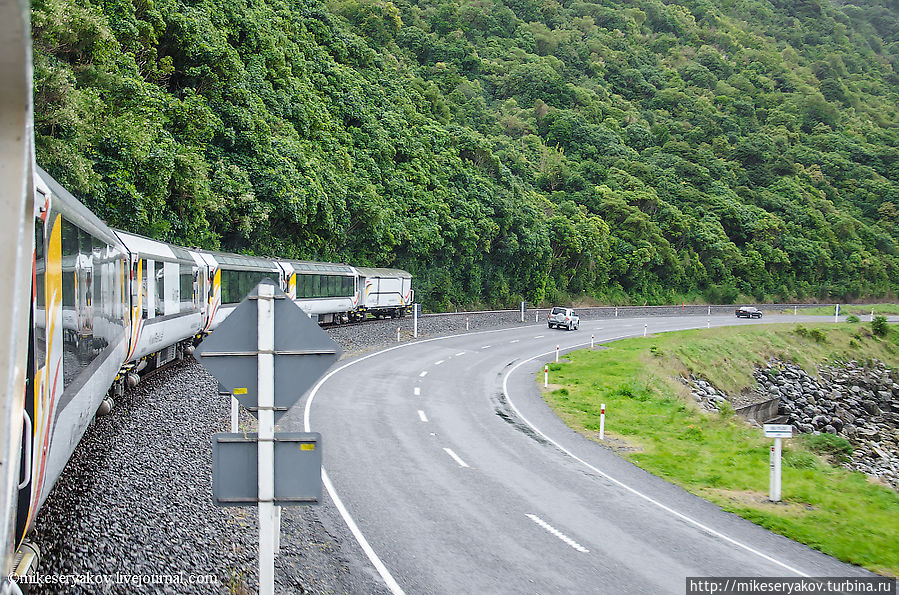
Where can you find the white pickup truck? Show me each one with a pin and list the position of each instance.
(563, 318)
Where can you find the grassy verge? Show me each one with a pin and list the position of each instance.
(846, 309)
(652, 421)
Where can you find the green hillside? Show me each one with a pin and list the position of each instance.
(629, 152)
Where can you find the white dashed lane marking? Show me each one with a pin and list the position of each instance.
(422, 416)
(437, 363)
(539, 337)
(417, 391)
(455, 457)
(486, 347)
(423, 374)
(557, 533)
(460, 353)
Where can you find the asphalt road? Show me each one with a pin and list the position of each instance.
(459, 479)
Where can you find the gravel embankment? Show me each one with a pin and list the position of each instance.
(136, 497)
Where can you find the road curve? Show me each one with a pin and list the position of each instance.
(460, 479)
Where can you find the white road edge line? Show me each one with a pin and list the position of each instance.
(422, 416)
(423, 374)
(557, 533)
(539, 337)
(460, 353)
(486, 346)
(515, 341)
(455, 457)
(621, 484)
(437, 363)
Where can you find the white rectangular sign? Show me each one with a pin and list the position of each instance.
(778, 431)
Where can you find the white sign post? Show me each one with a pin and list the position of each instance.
(602, 421)
(266, 446)
(778, 432)
(546, 376)
(836, 316)
(522, 311)
(557, 354)
(415, 321)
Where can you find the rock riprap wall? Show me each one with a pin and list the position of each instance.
(858, 402)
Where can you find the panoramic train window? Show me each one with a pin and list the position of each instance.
(40, 309)
(144, 274)
(322, 286)
(69, 256)
(237, 284)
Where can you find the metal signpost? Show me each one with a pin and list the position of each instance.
(415, 308)
(778, 432)
(523, 304)
(267, 367)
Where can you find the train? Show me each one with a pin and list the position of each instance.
(109, 306)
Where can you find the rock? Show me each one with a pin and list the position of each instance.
(871, 407)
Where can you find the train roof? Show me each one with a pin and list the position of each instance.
(150, 247)
(377, 272)
(241, 260)
(66, 203)
(307, 266)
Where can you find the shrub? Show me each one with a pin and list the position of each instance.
(829, 444)
(879, 326)
(853, 318)
(817, 335)
(801, 331)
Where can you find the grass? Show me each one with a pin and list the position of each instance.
(857, 309)
(653, 422)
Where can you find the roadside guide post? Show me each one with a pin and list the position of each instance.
(592, 340)
(778, 432)
(546, 376)
(466, 323)
(602, 421)
(557, 354)
(267, 367)
(836, 316)
(415, 321)
(537, 316)
(522, 311)
(645, 326)
(397, 335)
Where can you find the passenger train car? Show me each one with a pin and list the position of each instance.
(109, 306)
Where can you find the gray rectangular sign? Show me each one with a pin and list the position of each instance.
(235, 469)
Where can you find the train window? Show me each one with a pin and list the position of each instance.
(40, 309)
(237, 284)
(186, 277)
(144, 299)
(332, 286)
(69, 256)
(348, 288)
(159, 302)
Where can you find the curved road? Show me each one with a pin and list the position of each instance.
(462, 480)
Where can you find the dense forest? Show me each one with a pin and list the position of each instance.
(640, 151)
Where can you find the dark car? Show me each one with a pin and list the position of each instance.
(748, 312)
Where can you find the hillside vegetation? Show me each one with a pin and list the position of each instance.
(497, 149)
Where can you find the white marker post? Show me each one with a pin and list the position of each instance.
(591, 341)
(778, 432)
(466, 323)
(415, 321)
(645, 326)
(397, 335)
(546, 376)
(872, 314)
(235, 405)
(602, 421)
(557, 354)
(710, 311)
(537, 316)
(616, 312)
(708, 323)
(836, 316)
(266, 433)
(522, 311)
(795, 311)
